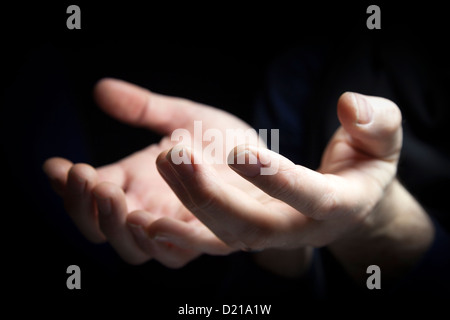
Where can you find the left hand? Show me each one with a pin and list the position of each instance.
(127, 203)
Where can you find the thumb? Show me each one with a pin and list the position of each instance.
(139, 107)
(373, 123)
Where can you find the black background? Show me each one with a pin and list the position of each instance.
(215, 54)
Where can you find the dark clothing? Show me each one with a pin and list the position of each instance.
(300, 97)
(49, 111)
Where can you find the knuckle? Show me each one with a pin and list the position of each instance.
(388, 130)
(200, 203)
(392, 121)
(285, 185)
(328, 206)
(202, 198)
(252, 237)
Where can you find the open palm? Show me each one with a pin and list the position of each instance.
(127, 203)
(150, 206)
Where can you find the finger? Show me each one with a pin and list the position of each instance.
(112, 210)
(56, 170)
(140, 107)
(138, 221)
(373, 123)
(173, 256)
(162, 249)
(313, 194)
(79, 202)
(113, 173)
(239, 220)
(188, 236)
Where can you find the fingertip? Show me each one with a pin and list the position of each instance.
(347, 109)
(181, 159)
(56, 167)
(245, 161)
(237, 154)
(122, 100)
(105, 84)
(251, 161)
(57, 170)
(83, 170)
(359, 109)
(374, 123)
(140, 218)
(102, 88)
(165, 169)
(48, 165)
(161, 160)
(81, 177)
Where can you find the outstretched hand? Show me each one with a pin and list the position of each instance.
(300, 207)
(127, 203)
(173, 211)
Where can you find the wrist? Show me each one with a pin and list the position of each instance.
(394, 236)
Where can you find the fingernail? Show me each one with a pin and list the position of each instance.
(365, 111)
(245, 162)
(181, 160)
(104, 206)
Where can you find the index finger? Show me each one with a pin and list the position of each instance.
(239, 220)
(137, 106)
(57, 170)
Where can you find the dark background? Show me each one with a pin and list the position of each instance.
(216, 54)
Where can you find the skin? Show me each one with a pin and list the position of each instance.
(148, 207)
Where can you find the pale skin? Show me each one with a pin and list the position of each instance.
(148, 207)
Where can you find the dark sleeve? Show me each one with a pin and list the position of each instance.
(430, 276)
(300, 99)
